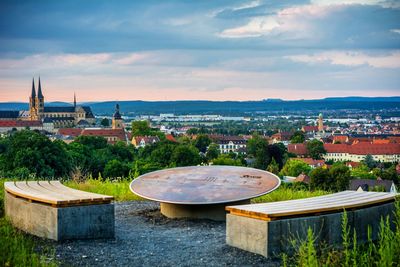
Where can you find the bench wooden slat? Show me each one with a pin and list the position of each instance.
(343, 200)
(54, 193)
(93, 196)
(56, 186)
(11, 187)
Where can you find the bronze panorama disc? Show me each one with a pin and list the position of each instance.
(204, 184)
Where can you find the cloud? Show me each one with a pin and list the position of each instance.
(347, 58)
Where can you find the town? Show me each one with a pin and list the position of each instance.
(369, 147)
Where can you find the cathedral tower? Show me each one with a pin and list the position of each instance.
(40, 102)
(32, 103)
(117, 122)
(320, 123)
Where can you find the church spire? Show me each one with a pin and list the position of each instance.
(33, 94)
(74, 100)
(40, 94)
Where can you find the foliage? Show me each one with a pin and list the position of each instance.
(115, 168)
(212, 152)
(257, 147)
(389, 174)
(105, 122)
(315, 149)
(294, 167)
(142, 128)
(202, 142)
(29, 152)
(337, 178)
(362, 172)
(225, 159)
(297, 138)
(185, 155)
(273, 167)
(370, 162)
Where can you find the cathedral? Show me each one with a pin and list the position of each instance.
(60, 116)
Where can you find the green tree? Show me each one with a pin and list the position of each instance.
(297, 137)
(294, 168)
(340, 176)
(141, 128)
(105, 122)
(370, 162)
(320, 178)
(257, 147)
(273, 167)
(114, 168)
(212, 152)
(202, 142)
(315, 149)
(225, 159)
(362, 172)
(390, 174)
(185, 155)
(94, 142)
(29, 151)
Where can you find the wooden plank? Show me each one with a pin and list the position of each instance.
(11, 188)
(34, 185)
(348, 200)
(77, 194)
(60, 186)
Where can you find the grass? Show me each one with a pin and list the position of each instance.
(119, 189)
(17, 248)
(383, 252)
(287, 193)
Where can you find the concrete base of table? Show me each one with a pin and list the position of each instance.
(271, 238)
(60, 223)
(215, 212)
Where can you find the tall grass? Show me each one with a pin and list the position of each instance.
(384, 252)
(287, 193)
(17, 248)
(119, 189)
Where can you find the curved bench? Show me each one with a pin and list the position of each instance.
(51, 210)
(269, 228)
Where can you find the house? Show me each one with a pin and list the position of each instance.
(298, 149)
(313, 163)
(281, 137)
(303, 178)
(8, 125)
(111, 135)
(358, 151)
(352, 164)
(236, 144)
(142, 141)
(371, 185)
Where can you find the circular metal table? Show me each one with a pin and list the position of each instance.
(203, 191)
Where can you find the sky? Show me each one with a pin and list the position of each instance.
(199, 50)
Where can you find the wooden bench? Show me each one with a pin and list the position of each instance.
(51, 210)
(269, 228)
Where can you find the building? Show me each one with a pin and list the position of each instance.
(372, 185)
(61, 116)
(142, 141)
(117, 122)
(8, 125)
(227, 144)
(281, 137)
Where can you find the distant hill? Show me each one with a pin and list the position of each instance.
(231, 107)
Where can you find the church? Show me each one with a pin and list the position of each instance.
(60, 116)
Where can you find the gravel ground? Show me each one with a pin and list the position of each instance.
(145, 238)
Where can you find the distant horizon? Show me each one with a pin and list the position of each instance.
(211, 100)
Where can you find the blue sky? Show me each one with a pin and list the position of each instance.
(216, 50)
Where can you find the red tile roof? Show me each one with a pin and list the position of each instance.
(120, 133)
(298, 149)
(312, 162)
(70, 131)
(363, 148)
(20, 123)
(170, 137)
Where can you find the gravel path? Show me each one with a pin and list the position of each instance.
(145, 238)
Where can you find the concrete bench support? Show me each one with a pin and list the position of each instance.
(51, 210)
(271, 237)
(61, 223)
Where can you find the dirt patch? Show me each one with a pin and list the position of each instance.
(144, 237)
